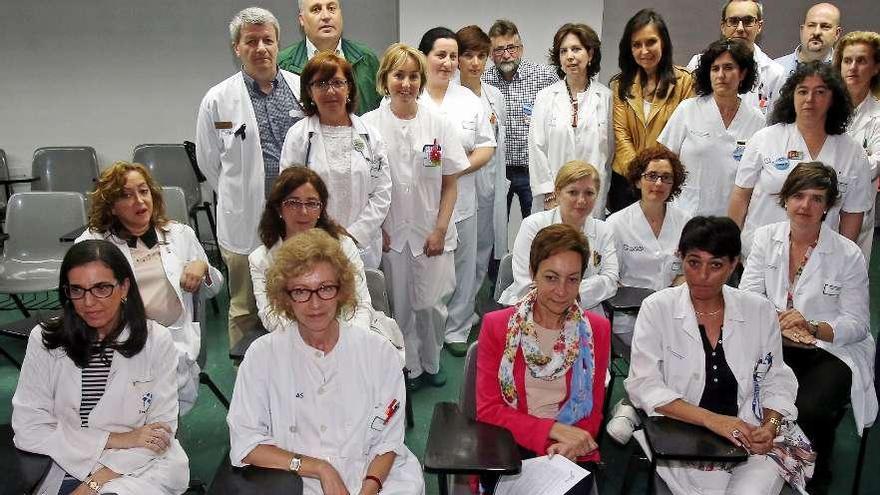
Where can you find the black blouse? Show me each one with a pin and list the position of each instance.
(719, 393)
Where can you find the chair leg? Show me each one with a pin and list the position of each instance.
(194, 215)
(863, 446)
(8, 356)
(442, 483)
(206, 380)
(410, 418)
(211, 222)
(20, 305)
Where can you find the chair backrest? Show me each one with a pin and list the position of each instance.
(505, 275)
(378, 291)
(175, 204)
(467, 395)
(35, 222)
(4, 174)
(170, 166)
(65, 168)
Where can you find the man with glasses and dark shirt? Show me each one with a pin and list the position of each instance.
(519, 82)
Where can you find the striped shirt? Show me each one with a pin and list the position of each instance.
(94, 381)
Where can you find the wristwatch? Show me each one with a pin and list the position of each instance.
(295, 463)
(814, 327)
(776, 423)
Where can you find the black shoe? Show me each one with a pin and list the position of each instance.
(415, 384)
(434, 379)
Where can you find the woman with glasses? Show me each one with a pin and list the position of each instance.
(571, 119)
(297, 203)
(808, 123)
(646, 92)
(710, 132)
(322, 398)
(347, 153)
(647, 232)
(169, 262)
(465, 110)
(425, 155)
(98, 391)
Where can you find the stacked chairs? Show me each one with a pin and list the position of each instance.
(65, 168)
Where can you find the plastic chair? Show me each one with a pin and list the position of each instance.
(378, 291)
(65, 168)
(505, 275)
(32, 255)
(175, 204)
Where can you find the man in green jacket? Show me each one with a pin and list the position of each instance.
(321, 21)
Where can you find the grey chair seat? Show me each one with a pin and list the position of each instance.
(29, 276)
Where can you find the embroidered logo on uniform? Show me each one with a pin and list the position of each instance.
(147, 401)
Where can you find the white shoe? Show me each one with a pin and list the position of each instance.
(624, 420)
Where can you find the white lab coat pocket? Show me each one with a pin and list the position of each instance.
(374, 429)
(140, 400)
(831, 288)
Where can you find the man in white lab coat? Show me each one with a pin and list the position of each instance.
(241, 126)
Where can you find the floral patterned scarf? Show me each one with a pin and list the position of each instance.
(573, 347)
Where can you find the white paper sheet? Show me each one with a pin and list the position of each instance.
(542, 475)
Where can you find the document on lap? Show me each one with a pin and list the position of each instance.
(542, 475)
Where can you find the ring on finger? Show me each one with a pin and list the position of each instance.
(735, 433)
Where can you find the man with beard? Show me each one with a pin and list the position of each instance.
(819, 33)
(519, 82)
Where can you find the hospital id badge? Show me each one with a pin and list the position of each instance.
(432, 155)
(527, 113)
(738, 151)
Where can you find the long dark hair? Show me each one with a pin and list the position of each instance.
(629, 69)
(71, 333)
(841, 109)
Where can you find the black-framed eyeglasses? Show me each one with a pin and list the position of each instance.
(336, 84)
(324, 292)
(747, 21)
(297, 204)
(511, 49)
(654, 177)
(100, 291)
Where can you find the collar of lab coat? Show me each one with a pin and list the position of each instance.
(313, 124)
(686, 313)
(825, 246)
(863, 114)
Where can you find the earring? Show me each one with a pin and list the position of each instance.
(124, 300)
(348, 99)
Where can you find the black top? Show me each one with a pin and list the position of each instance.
(719, 393)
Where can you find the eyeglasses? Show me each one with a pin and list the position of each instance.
(654, 177)
(747, 21)
(297, 204)
(336, 84)
(511, 49)
(324, 292)
(100, 291)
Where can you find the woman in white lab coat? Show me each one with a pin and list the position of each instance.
(818, 281)
(808, 124)
(322, 398)
(348, 154)
(572, 118)
(460, 105)
(577, 188)
(169, 262)
(425, 155)
(710, 132)
(857, 57)
(646, 233)
(297, 203)
(98, 391)
(708, 354)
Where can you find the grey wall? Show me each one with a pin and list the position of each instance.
(116, 73)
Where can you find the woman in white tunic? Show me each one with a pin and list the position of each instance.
(818, 281)
(809, 124)
(646, 233)
(577, 188)
(425, 156)
(710, 132)
(322, 398)
(857, 57)
(98, 391)
(464, 109)
(572, 118)
(345, 152)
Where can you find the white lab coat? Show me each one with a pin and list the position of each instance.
(668, 361)
(553, 141)
(45, 416)
(416, 181)
(709, 151)
(865, 130)
(370, 179)
(599, 280)
(233, 164)
(771, 155)
(771, 77)
(832, 288)
(179, 246)
(492, 183)
(260, 260)
(295, 397)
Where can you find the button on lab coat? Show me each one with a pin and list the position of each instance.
(45, 415)
(233, 164)
(832, 288)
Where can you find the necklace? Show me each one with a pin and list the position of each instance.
(572, 97)
(709, 313)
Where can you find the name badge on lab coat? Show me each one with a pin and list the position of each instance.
(738, 151)
(781, 163)
(831, 289)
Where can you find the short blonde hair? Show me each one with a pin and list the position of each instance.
(869, 38)
(395, 56)
(109, 189)
(574, 171)
(298, 256)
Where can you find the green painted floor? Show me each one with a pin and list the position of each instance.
(205, 437)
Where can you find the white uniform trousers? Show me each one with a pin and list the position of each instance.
(485, 234)
(461, 305)
(757, 476)
(420, 287)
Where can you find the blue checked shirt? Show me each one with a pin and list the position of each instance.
(273, 118)
(519, 94)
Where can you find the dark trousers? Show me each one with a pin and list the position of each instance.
(621, 193)
(823, 392)
(584, 486)
(519, 185)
